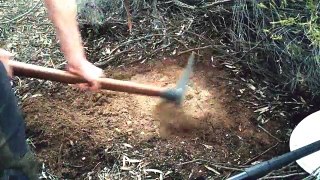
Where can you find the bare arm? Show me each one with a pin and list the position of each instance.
(63, 14)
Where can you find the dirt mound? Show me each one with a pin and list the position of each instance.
(72, 129)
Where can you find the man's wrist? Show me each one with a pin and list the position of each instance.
(73, 52)
(75, 59)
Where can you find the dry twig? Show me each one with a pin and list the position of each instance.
(270, 134)
(264, 152)
(194, 49)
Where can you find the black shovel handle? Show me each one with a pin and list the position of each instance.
(262, 169)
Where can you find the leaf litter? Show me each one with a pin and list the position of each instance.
(32, 38)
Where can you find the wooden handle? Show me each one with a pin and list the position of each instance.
(39, 72)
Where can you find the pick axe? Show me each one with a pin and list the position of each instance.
(171, 94)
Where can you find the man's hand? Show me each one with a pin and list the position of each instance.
(63, 15)
(87, 70)
(5, 56)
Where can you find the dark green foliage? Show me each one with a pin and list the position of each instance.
(280, 41)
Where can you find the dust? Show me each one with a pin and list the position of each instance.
(69, 128)
(200, 108)
(173, 119)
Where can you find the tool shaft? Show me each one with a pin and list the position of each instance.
(39, 72)
(262, 169)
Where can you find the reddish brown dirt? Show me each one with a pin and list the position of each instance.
(71, 129)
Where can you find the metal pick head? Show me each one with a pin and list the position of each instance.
(177, 94)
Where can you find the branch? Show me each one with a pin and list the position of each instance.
(184, 5)
(264, 152)
(207, 5)
(270, 134)
(131, 41)
(216, 3)
(194, 49)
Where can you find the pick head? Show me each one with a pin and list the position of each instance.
(177, 94)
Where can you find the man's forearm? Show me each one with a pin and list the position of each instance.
(63, 15)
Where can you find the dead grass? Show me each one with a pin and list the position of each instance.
(26, 31)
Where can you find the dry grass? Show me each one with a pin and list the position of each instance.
(26, 31)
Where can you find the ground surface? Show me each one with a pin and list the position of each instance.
(76, 132)
(111, 135)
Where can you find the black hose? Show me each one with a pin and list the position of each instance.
(262, 169)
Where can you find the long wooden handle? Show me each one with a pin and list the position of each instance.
(39, 72)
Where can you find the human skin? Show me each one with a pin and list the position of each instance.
(63, 14)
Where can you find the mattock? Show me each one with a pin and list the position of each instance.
(171, 94)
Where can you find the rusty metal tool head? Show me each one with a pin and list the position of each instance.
(172, 94)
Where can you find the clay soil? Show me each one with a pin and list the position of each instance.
(76, 132)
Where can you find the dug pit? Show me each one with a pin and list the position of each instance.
(71, 129)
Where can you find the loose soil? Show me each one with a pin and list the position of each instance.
(73, 130)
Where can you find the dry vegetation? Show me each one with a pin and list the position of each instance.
(236, 36)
